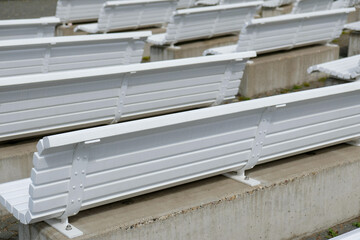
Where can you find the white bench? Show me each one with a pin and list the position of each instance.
(133, 14)
(345, 3)
(206, 22)
(288, 31)
(78, 10)
(303, 6)
(52, 102)
(355, 26)
(83, 169)
(28, 28)
(345, 68)
(42, 55)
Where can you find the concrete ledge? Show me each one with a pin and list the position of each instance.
(189, 49)
(16, 160)
(272, 12)
(354, 43)
(285, 69)
(19, 9)
(298, 196)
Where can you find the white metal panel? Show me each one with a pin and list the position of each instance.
(28, 28)
(303, 6)
(52, 54)
(78, 10)
(131, 158)
(345, 3)
(353, 235)
(355, 26)
(277, 3)
(345, 68)
(206, 22)
(288, 31)
(121, 15)
(51, 102)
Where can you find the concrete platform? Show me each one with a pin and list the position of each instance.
(20, 9)
(285, 69)
(189, 49)
(298, 196)
(354, 43)
(272, 12)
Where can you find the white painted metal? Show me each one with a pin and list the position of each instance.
(288, 31)
(28, 28)
(355, 26)
(78, 10)
(41, 55)
(136, 157)
(345, 68)
(353, 235)
(345, 3)
(206, 22)
(277, 3)
(303, 6)
(133, 14)
(52, 102)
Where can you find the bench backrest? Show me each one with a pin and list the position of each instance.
(74, 52)
(133, 14)
(106, 164)
(293, 30)
(78, 10)
(52, 102)
(206, 22)
(303, 6)
(345, 3)
(28, 28)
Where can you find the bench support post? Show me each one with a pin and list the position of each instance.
(63, 226)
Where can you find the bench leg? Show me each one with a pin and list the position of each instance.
(241, 177)
(355, 142)
(63, 226)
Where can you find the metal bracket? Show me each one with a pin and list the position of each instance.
(224, 83)
(262, 130)
(45, 61)
(216, 21)
(355, 142)
(63, 226)
(240, 177)
(122, 95)
(77, 180)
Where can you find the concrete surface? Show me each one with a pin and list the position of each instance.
(18, 9)
(16, 160)
(284, 69)
(298, 196)
(189, 49)
(354, 16)
(272, 12)
(354, 43)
